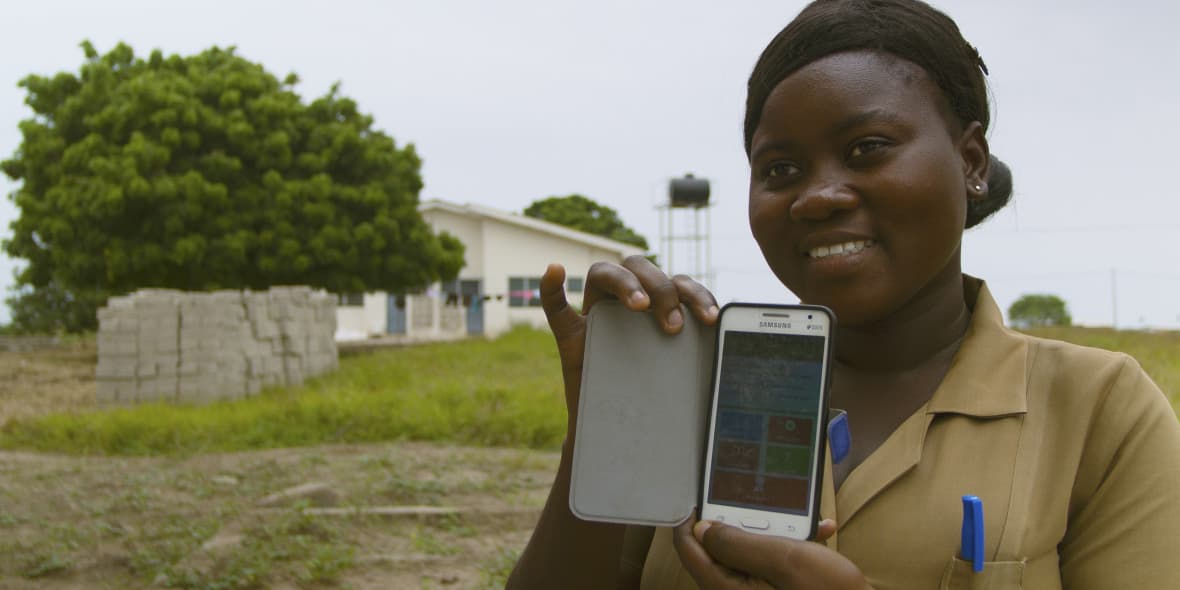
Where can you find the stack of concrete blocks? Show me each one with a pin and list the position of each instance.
(118, 352)
(321, 339)
(264, 348)
(138, 347)
(212, 365)
(158, 315)
(307, 324)
(197, 347)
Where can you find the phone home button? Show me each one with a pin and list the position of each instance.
(755, 523)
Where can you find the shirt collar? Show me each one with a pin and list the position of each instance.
(988, 374)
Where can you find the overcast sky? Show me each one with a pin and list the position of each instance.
(512, 101)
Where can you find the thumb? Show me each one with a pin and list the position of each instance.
(825, 530)
(563, 320)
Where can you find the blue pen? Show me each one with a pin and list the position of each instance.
(839, 438)
(971, 547)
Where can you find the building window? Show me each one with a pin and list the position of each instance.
(524, 292)
(350, 300)
(574, 284)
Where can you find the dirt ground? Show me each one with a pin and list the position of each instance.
(394, 515)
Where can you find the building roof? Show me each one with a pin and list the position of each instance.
(545, 227)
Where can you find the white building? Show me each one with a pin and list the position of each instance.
(506, 254)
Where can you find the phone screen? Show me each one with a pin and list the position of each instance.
(765, 439)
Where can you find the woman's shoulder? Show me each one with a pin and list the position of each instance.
(1104, 388)
(1069, 358)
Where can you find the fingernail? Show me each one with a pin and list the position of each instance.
(638, 298)
(698, 529)
(675, 318)
(713, 311)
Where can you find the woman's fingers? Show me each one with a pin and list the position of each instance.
(697, 299)
(606, 280)
(825, 530)
(641, 285)
(785, 563)
(758, 555)
(665, 299)
(708, 574)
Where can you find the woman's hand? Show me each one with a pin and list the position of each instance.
(640, 286)
(721, 557)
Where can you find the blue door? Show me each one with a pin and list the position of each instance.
(396, 314)
(472, 292)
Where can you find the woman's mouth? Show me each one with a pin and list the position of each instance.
(842, 249)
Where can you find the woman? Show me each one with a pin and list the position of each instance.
(866, 133)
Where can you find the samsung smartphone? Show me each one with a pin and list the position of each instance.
(768, 421)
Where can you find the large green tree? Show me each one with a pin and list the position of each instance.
(1039, 310)
(205, 172)
(584, 214)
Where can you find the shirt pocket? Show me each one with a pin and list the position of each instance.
(996, 575)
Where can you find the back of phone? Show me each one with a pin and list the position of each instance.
(641, 418)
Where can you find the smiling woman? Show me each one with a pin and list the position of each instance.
(866, 131)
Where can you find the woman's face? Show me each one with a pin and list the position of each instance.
(858, 185)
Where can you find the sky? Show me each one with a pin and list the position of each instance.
(512, 101)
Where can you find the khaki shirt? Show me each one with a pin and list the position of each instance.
(1074, 452)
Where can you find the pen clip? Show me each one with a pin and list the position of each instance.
(839, 437)
(971, 545)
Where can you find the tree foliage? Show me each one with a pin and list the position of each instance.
(205, 172)
(584, 214)
(1039, 310)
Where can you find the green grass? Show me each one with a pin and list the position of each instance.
(503, 392)
(1157, 352)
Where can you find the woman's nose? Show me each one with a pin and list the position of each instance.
(821, 200)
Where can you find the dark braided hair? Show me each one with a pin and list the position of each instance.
(909, 29)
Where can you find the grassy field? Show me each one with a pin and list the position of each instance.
(505, 392)
(159, 496)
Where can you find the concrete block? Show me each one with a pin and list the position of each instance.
(293, 376)
(106, 339)
(118, 389)
(165, 388)
(146, 390)
(107, 392)
(121, 302)
(167, 368)
(113, 369)
(147, 369)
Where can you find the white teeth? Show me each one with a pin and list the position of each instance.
(845, 248)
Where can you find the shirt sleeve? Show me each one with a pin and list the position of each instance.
(1125, 515)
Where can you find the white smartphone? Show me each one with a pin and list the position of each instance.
(768, 420)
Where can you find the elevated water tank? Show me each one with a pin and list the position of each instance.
(689, 191)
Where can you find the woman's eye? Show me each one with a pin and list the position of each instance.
(866, 146)
(780, 170)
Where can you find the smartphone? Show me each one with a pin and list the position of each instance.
(767, 425)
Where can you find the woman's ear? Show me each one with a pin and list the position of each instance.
(976, 160)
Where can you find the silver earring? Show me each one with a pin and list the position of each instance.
(978, 188)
